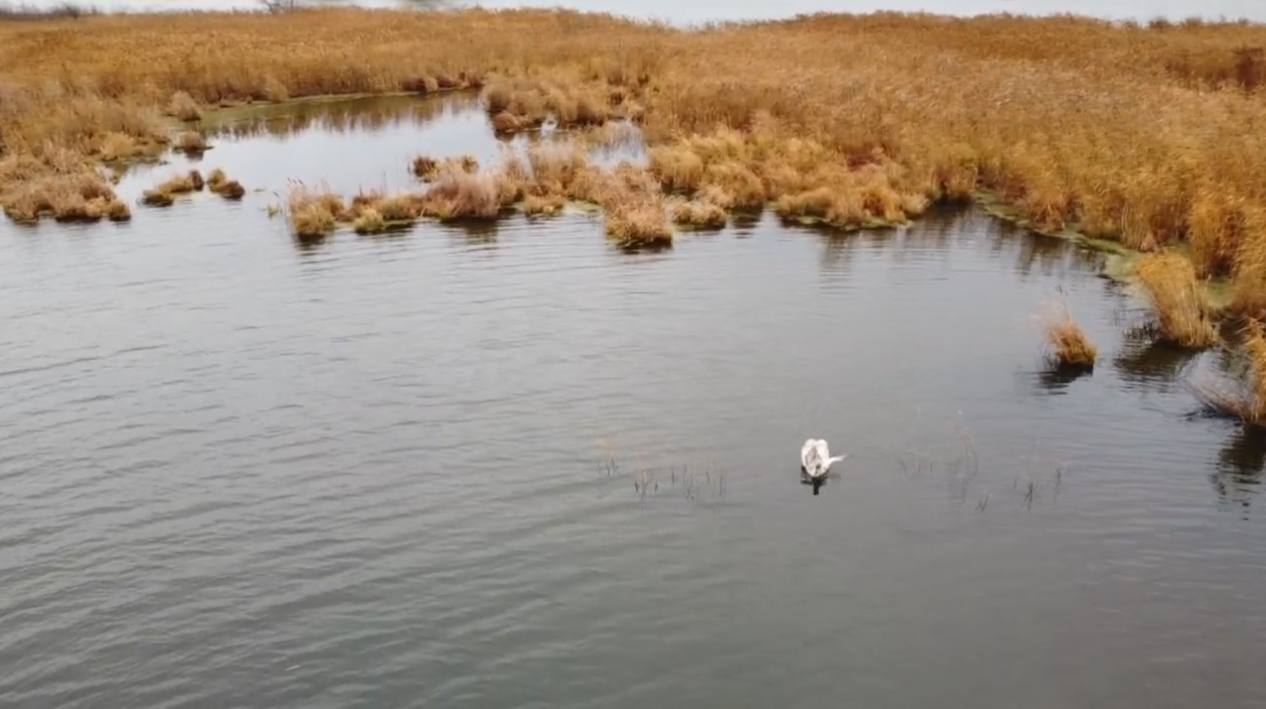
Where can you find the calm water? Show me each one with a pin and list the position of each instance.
(714, 10)
(513, 466)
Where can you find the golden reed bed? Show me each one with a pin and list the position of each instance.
(1154, 136)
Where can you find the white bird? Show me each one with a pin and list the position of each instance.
(816, 460)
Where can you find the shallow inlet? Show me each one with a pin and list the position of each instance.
(361, 143)
(518, 466)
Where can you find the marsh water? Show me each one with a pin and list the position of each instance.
(510, 465)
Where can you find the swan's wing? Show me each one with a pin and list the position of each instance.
(806, 453)
(824, 451)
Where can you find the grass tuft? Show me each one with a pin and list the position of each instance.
(1183, 316)
(425, 168)
(698, 214)
(1070, 348)
(638, 224)
(546, 205)
(313, 212)
(457, 194)
(370, 221)
(219, 183)
(182, 106)
(71, 197)
(163, 194)
(157, 198)
(117, 211)
(191, 141)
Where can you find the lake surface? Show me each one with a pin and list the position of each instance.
(718, 10)
(514, 466)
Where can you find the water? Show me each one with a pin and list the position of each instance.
(513, 466)
(718, 10)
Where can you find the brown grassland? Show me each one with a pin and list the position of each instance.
(1152, 136)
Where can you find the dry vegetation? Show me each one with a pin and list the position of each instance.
(544, 205)
(191, 141)
(525, 103)
(425, 168)
(699, 214)
(638, 224)
(183, 107)
(220, 184)
(80, 197)
(164, 194)
(369, 221)
(314, 212)
(1150, 136)
(1070, 348)
(1182, 311)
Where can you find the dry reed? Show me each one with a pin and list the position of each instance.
(117, 146)
(457, 194)
(219, 183)
(163, 194)
(72, 197)
(638, 224)
(191, 141)
(1183, 315)
(313, 212)
(1070, 348)
(425, 168)
(699, 214)
(370, 221)
(548, 204)
(183, 106)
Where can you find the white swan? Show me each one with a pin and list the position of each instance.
(816, 460)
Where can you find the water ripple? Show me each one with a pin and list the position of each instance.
(521, 467)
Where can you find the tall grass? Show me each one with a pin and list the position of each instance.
(183, 106)
(638, 224)
(66, 198)
(457, 194)
(313, 211)
(698, 214)
(1183, 315)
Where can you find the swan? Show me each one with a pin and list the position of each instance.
(816, 459)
